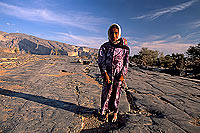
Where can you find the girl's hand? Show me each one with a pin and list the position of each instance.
(107, 78)
(121, 78)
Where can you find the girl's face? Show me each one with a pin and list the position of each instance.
(114, 34)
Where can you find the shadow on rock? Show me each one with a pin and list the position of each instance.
(50, 102)
(109, 126)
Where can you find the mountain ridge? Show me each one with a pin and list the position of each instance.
(35, 45)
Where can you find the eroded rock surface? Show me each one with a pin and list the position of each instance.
(57, 94)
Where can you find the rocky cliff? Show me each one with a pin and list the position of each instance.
(34, 45)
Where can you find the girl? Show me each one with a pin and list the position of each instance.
(113, 64)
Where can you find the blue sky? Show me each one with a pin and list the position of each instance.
(170, 26)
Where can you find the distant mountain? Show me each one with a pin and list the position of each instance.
(34, 45)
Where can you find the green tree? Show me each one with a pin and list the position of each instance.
(179, 61)
(161, 60)
(193, 53)
(168, 61)
(148, 57)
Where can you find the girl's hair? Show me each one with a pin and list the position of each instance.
(114, 26)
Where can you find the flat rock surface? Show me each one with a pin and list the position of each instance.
(57, 94)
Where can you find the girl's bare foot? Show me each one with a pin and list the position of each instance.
(114, 117)
(107, 117)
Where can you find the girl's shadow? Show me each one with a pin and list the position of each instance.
(50, 102)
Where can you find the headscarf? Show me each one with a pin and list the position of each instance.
(120, 42)
(119, 28)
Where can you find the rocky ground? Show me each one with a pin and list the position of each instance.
(57, 94)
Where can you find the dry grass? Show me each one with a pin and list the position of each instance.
(195, 121)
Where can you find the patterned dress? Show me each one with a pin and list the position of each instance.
(113, 59)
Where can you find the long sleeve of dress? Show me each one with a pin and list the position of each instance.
(102, 59)
(126, 59)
